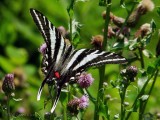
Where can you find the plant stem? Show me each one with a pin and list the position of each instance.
(138, 96)
(150, 91)
(8, 107)
(141, 58)
(122, 95)
(70, 13)
(102, 69)
(129, 13)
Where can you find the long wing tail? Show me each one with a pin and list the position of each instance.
(56, 99)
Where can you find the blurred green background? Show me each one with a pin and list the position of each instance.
(20, 40)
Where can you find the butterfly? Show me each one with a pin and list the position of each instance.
(61, 62)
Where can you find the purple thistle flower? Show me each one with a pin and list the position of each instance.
(84, 102)
(85, 80)
(78, 103)
(8, 84)
(42, 48)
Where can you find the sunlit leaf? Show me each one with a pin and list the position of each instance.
(148, 53)
(6, 64)
(18, 56)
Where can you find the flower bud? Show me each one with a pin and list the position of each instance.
(8, 84)
(118, 21)
(131, 72)
(43, 48)
(143, 31)
(62, 30)
(78, 103)
(143, 7)
(73, 106)
(97, 41)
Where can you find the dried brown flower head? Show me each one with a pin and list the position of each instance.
(97, 41)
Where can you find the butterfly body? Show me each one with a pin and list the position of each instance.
(61, 62)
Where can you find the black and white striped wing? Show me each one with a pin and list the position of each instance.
(81, 59)
(53, 39)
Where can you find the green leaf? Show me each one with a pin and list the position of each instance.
(76, 39)
(157, 62)
(153, 25)
(158, 11)
(133, 44)
(120, 45)
(18, 56)
(6, 64)
(150, 69)
(102, 110)
(64, 98)
(148, 53)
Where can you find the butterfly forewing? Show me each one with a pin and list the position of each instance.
(54, 40)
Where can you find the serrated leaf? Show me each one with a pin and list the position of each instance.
(102, 110)
(141, 81)
(148, 53)
(133, 44)
(120, 45)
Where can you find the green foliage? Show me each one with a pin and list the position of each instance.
(19, 42)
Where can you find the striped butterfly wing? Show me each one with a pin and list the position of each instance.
(81, 59)
(53, 39)
(63, 60)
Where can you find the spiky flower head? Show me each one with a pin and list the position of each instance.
(78, 104)
(73, 106)
(8, 84)
(85, 80)
(84, 102)
(129, 73)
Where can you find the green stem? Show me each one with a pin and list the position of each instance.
(141, 58)
(138, 96)
(8, 107)
(70, 13)
(102, 69)
(150, 91)
(122, 95)
(70, 22)
(129, 13)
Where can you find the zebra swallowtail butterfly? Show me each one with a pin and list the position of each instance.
(61, 62)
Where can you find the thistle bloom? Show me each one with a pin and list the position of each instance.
(42, 48)
(78, 103)
(85, 80)
(84, 102)
(8, 84)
